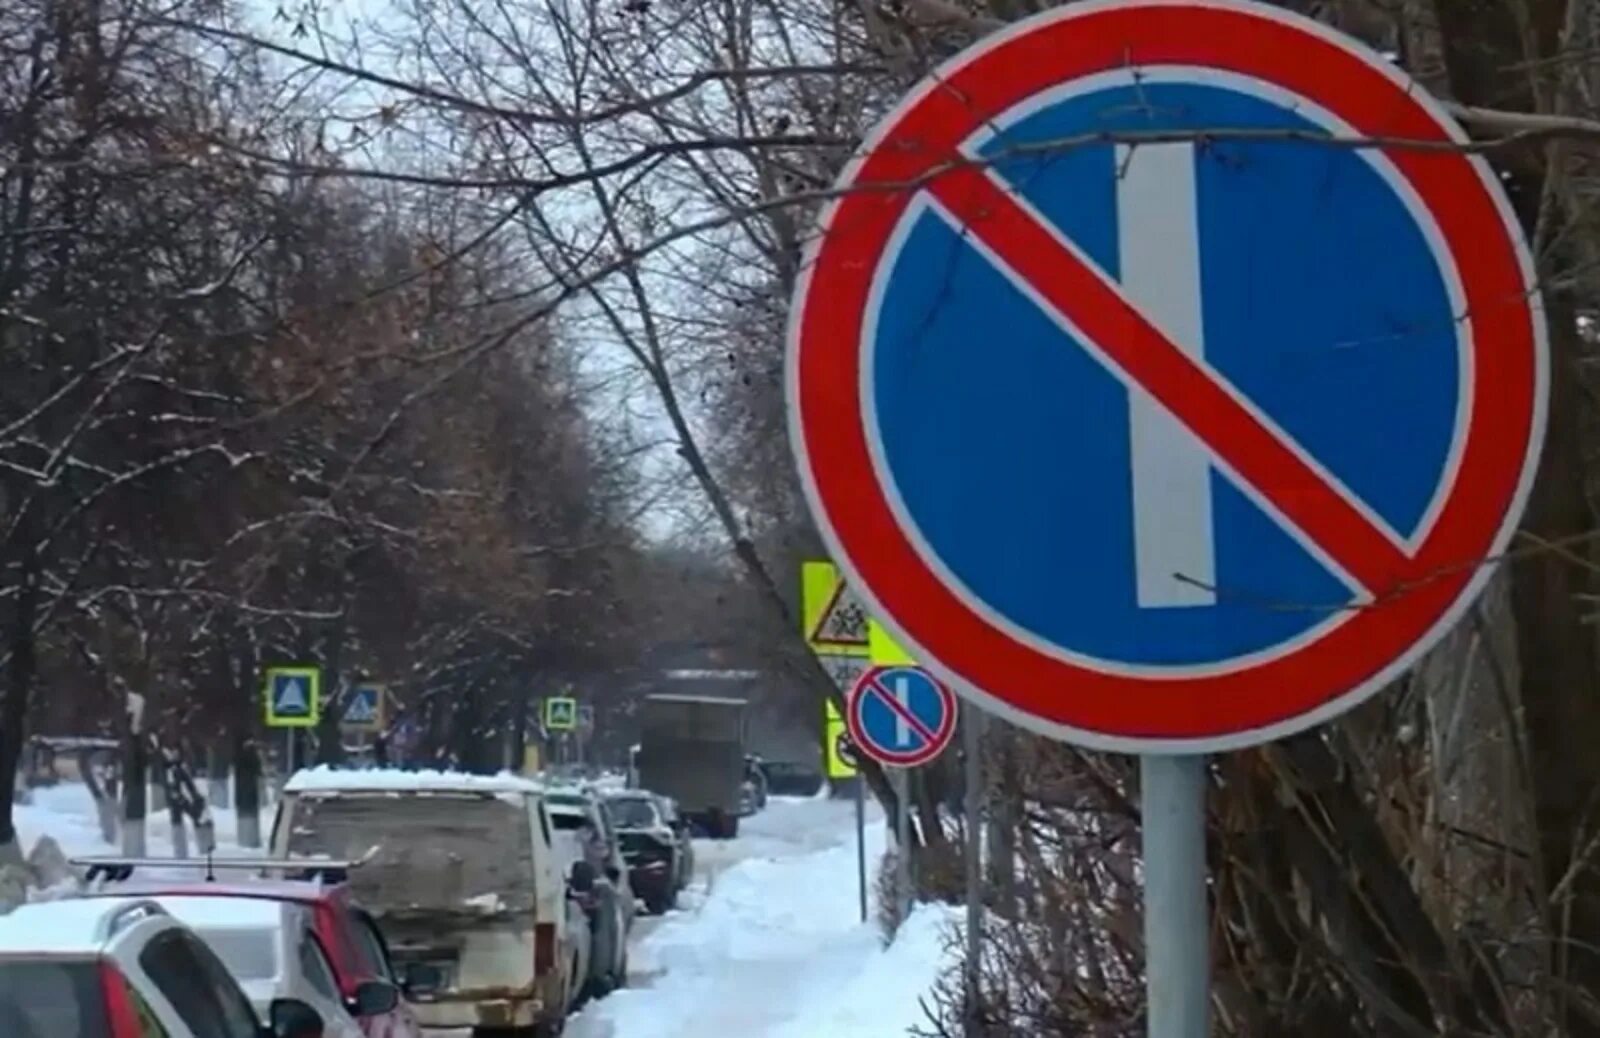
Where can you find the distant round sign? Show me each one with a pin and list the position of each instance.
(900, 716)
(1141, 413)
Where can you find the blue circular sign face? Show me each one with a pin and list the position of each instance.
(900, 715)
(1080, 510)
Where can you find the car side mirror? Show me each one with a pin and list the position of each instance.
(292, 1018)
(374, 998)
(422, 980)
(583, 877)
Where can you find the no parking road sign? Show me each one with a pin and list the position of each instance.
(901, 715)
(1149, 391)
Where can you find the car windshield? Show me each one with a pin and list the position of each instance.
(568, 821)
(633, 812)
(248, 954)
(428, 850)
(51, 999)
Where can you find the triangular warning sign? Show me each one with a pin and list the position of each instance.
(843, 623)
(292, 697)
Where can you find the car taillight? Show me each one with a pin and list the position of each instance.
(544, 948)
(119, 1003)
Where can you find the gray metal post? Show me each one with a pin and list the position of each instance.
(861, 845)
(972, 745)
(288, 754)
(1176, 929)
(902, 857)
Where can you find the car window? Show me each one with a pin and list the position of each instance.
(632, 812)
(315, 968)
(249, 953)
(41, 999)
(190, 977)
(370, 941)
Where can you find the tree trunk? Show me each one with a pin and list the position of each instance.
(135, 788)
(18, 690)
(103, 794)
(247, 792)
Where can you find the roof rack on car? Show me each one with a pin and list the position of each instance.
(116, 868)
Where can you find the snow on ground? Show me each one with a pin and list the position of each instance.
(775, 947)
(66, 812)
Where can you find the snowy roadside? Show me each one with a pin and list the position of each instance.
(775, 948)
(66, 813)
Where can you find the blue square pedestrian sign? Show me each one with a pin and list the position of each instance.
(363, 708)
(560, 714)
(293, 697)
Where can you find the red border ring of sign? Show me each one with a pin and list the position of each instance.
(1191, 713)
(858, 733)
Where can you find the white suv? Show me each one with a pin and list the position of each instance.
(124, 968)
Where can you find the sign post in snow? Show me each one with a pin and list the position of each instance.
(1263, 412)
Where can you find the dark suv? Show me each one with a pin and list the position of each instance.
(656, 845)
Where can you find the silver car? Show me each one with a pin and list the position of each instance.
(585, 833)
(272, 950)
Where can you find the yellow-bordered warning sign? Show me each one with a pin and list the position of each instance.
(837, 748)
(883, 650)
(835, 619)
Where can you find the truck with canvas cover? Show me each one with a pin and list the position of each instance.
(691, 748)
(461, 873)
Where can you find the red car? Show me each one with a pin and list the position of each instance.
(351, 940)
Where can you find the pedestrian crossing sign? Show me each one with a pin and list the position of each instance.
(363, 710)
(560, 714)
(293, 697)
(834, 618)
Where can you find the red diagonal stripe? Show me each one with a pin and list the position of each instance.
(902, 710)
(1114, 326)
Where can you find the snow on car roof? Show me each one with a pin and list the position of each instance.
(65, 927)
(225, 913)
(324, 779)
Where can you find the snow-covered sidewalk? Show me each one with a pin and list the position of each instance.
(776, 948)
(67, 813)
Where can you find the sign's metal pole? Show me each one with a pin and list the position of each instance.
(288, 754)
(1172, 794)
(861, 845)
(902, 858)
(972, 745)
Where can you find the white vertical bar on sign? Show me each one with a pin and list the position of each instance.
(902, 692)
(1158, 242)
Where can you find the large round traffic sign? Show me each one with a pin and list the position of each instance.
(1165, 377)
(901, 716)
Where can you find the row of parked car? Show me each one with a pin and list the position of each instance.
(392, 901)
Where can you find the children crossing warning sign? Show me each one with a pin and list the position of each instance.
(835, 619)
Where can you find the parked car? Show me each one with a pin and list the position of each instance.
(755, 774)
(462, 874)
(272, 950)
(345, 933)
(656, 845)
(585, 832)
(125, 968)
(793, 779)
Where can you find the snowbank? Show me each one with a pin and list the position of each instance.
(776, 948)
